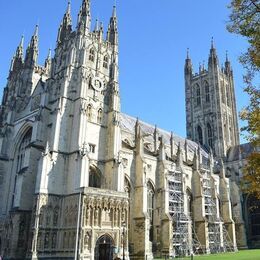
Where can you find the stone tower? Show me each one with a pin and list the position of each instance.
(211, 115)
(60, 141)
(80, 179)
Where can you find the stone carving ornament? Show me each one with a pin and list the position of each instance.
(97, 84)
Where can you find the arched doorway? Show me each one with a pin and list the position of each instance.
(104, 248)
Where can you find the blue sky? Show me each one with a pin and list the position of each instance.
(154, 36)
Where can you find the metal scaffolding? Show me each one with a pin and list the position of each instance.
(184, 239)
(219, 240)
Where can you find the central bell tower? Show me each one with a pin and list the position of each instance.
(211, 115)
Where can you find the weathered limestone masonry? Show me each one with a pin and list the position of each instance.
(211, 121)
(211, 116)
(81, 180)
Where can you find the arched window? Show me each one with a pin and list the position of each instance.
(127, 187)
(89, 112)
(99, 116)
(210, 136)
(150, 208)
(207, 94)
(90, 83)
(198, 97)
(105, 61)
(94, 178)
(91, 55)
(21, 163)
(22, 149)
(200, 135)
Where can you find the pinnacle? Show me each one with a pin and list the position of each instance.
(114, 11)
(69, 6)
(227, 56)
(36, 31)
(212, 43)
(22, 41)
(188, 53)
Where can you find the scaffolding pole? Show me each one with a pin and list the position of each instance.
(184, 239)
(219, 239)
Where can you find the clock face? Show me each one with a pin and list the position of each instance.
(97, 84)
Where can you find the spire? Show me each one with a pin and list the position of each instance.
(114, 11)
(228, 69)
(96, 26)
(112, 32)
(69, 7)
(188, 53)
(213, 58)
(212, 48)
(65, 26)
(212, 43)
(19, 50)
(188, 64)
(84, 17)
(179, 156)
(227, 56)
(33, 48)
(48, 63)
(17, 60)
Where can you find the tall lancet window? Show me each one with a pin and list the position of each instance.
(105, 61)
(198, 97)
(99, 116)
(22, 149)
(207, 94)
(210, 136)
(91, 54)
(200, 135)
(21, 163)
(89, 112)
(150, 208)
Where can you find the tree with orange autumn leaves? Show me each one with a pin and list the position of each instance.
(245, 20)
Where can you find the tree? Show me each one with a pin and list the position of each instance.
(245, 20)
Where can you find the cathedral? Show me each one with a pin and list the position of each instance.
(79, 179)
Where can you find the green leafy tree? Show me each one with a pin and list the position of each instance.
(245, 20)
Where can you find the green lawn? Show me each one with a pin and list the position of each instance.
(241, 255)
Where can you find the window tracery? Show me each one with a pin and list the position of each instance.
(200, 135)
(198, 95)
(207, 93)
(89, 112)
(99, 116)
(91, 55)
(21, 163)
(105, 62)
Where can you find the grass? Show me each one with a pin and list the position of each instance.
(240, 255)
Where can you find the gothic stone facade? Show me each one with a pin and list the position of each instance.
(80, 178)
